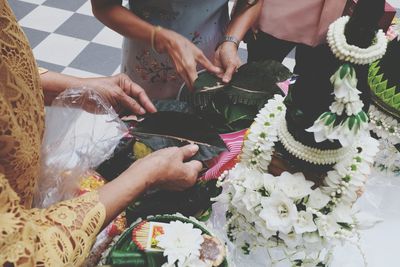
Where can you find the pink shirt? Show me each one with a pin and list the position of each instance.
(300, 21)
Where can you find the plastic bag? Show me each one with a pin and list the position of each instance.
(82, 131)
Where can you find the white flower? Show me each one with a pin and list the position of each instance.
(304, 223)
(320, 130)
(269, 182)
(180, 242)
(337, 107)
(292, 240)
(327, 226)
(279, 212)
(317, 199)
(251, 199)
(254, 180)
(294, 185)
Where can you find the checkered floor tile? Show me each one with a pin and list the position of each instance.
(65, 37)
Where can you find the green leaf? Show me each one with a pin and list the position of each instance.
(396, 100)
(331, 119)
(344, 70)
(388, 94)
(239, 112)
(172, 105)
(378, 78)
(207, 82)
(351, 120)
(381, 87)
(166, 129)
(324, 115)
(373, 71)
(363, 116)
(191, 202)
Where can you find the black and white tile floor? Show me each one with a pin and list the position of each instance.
(66, 37)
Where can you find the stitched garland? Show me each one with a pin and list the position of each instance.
(351, 53)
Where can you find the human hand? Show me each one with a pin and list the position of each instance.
(227, 58)
(170, 169)
(123, 94)
(184, 54)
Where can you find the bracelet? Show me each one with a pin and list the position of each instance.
(154, 32)
(232, 39)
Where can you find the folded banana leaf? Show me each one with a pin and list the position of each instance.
(191, 202)
(253, 84)
(173, 105)
(165, 129)
(169, 128)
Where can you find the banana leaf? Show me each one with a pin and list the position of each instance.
(168, 128)
(253, 84)
(121, 159)
(191, 202)
(173, 105)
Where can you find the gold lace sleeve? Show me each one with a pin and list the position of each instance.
(61, 235)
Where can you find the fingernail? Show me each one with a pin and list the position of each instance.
(142, 111)
(194, 148)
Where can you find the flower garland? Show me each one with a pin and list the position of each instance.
(346, 119)
(388, 129)
(334, 124)
(384, 126)
(306, 153)
(351, 53)
(285, 212)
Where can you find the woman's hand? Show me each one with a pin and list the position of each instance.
(170, 169)
(227, 58)
(184, 54)
(123, 94)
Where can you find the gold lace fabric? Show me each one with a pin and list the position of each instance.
(63, 234)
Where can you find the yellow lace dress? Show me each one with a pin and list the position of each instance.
(63, 234)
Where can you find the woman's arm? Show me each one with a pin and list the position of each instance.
(68, 229)
(243, 18)
(183, 53)
(118, 90)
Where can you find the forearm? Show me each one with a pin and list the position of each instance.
(121, 20)
(119, 193)
(54, 83)
(243, 19)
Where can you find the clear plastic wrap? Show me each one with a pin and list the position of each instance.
(82, 131)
